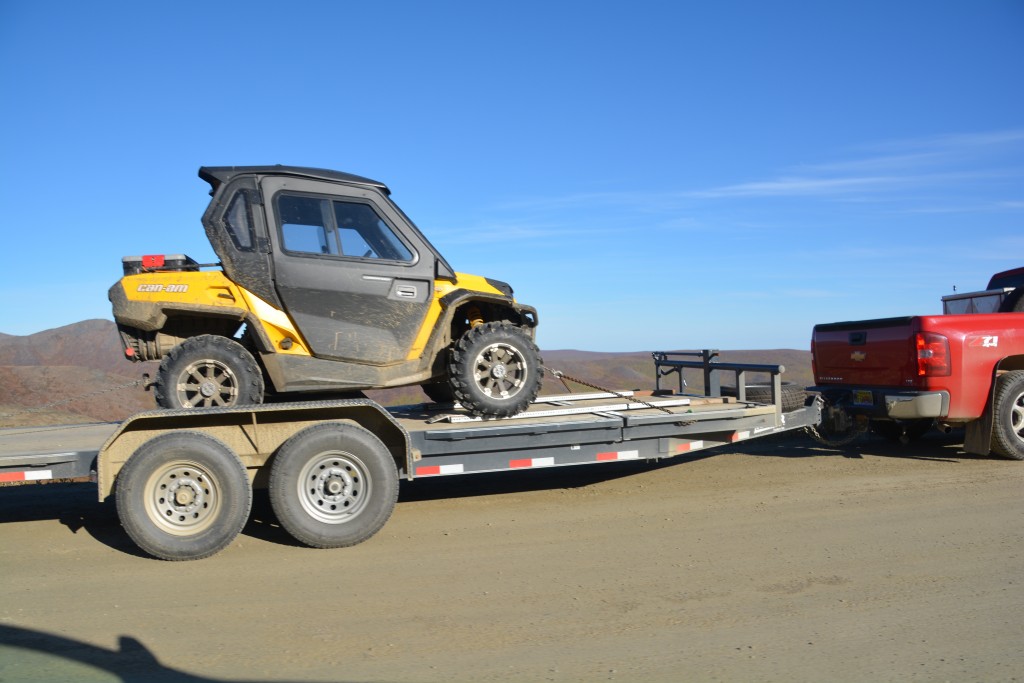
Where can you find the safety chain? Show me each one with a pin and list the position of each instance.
(100, 392)
(563, 377)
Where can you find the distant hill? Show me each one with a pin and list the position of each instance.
(78, 373)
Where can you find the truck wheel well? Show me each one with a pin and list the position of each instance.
(1011, 363)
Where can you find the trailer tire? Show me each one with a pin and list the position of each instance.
(333, 485)
(495, 370)
(183, 496)
(1008, 416)
(793, 395)
(208, 371)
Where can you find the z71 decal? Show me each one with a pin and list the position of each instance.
(984, 341)
(171, 289)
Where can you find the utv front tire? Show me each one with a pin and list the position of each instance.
(208, 371)
(495, 370)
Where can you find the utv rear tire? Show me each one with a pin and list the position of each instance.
(495, 370)
(1008, 416)
(208, 371)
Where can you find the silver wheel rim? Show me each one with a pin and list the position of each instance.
(334, 487)
(1017, 417)
(183, 498)
(207, 383)
(500, 371)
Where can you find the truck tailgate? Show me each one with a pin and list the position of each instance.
(868, 352)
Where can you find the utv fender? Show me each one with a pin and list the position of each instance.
(453, 300)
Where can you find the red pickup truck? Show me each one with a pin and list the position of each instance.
(898, 376)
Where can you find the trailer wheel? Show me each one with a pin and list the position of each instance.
(1008, 416)
(208, 371)
(495, 370)
(333, 485)
(183, 496)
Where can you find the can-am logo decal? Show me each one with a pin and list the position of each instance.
(171, 289)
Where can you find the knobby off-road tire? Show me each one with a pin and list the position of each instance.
(495, 370)
(333, 485)
(183, 496)
(1008, 416)
(208, 371)
(793, 396)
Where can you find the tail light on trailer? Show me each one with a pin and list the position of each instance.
(932, 355)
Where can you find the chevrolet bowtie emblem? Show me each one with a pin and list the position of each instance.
(858, 356)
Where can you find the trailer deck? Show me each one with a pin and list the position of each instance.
(183, 479)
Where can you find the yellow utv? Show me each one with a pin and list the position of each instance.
(324, 286)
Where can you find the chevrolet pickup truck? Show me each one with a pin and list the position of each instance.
(899, 376)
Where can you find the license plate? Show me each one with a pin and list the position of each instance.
(863, 398)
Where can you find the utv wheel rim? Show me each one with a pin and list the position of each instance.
(207, 383)
(183, 499)
(334, 487)
(500, 371)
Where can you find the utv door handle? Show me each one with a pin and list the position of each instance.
(406, 292)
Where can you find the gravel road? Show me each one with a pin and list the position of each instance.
(775, 561)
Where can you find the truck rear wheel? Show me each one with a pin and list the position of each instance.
(183, 496)
(1008, 416)
(495, 370)
(333, 485)
(208, 371)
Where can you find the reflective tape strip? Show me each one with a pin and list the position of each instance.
(618, 455)
(531, 462)
(739, 436)
(431, 470)
(691, 446)
(33, 475)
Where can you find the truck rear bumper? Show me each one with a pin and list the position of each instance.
(893, 403)
(913, 406)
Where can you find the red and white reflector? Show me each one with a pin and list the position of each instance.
(31, 475)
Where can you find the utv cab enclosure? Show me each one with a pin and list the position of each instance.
(324, 285)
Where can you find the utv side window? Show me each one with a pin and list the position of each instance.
(314, 225)
(303, 228)
(238, 221)
(364, 234)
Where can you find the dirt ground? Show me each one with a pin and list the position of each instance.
(773, 561)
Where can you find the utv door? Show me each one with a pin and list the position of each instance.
(353, 278)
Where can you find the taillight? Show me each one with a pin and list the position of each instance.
(932, 355)
(153, 261)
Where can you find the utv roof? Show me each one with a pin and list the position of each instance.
(218, 175)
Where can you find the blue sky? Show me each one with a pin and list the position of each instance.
(649, 175)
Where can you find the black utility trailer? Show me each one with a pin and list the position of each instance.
(183, 479)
